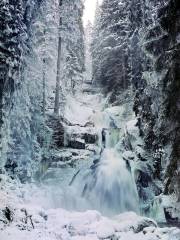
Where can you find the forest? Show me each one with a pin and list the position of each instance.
(89, 119)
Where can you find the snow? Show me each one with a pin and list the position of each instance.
(128, 155)
(44, 205)
(76, 112)
(61, 224)
(54, 223)
(131, 126)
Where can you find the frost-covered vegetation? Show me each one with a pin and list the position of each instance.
(89, 120)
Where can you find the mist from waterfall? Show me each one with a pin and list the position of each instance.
(110, 187)
(108, 184)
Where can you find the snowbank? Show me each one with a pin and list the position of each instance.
(90, 225)
(31, 222)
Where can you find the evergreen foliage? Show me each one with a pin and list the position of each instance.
(110, 46)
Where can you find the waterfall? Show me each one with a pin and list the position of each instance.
(108, 186)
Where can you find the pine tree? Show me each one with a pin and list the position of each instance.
(23, 115)
(95, 47)
(12, 41)
(111, 47)
(88, 53)
(73, 42)
(58, 89)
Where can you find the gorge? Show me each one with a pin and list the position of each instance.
(89, 120)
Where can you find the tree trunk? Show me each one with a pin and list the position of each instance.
(44, 89)
(57, 94)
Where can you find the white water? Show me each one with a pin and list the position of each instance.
(108, 185)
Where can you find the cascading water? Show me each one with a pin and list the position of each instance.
(108, 186)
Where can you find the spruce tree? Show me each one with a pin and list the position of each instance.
(111, 47)
(73, 42)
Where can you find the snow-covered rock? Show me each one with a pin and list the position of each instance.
(64, 225)
(77, 143)
(128, 155)
(132, 134)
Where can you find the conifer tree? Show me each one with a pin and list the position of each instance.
(73, 42)
(111, 46)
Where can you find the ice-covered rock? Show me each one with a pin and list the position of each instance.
(128, 155)
(86, 133)
(105, 229)
(76, 112)
(132, 134)
(62, 155)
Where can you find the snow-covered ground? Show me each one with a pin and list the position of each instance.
(32, 222)
(62, 225)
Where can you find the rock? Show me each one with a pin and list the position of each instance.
(128, 155)
(168, 212)
(144, 223)
(89, 124)
(93, 148)
(143, 179)
(141, 153)
(55, 124)
(90, 138)
(63, 156)
(149, 229)
(8, 214)
(77, 144)
(175, 234)
(75, 154)
(58, 165)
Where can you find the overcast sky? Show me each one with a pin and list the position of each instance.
(89, 12)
